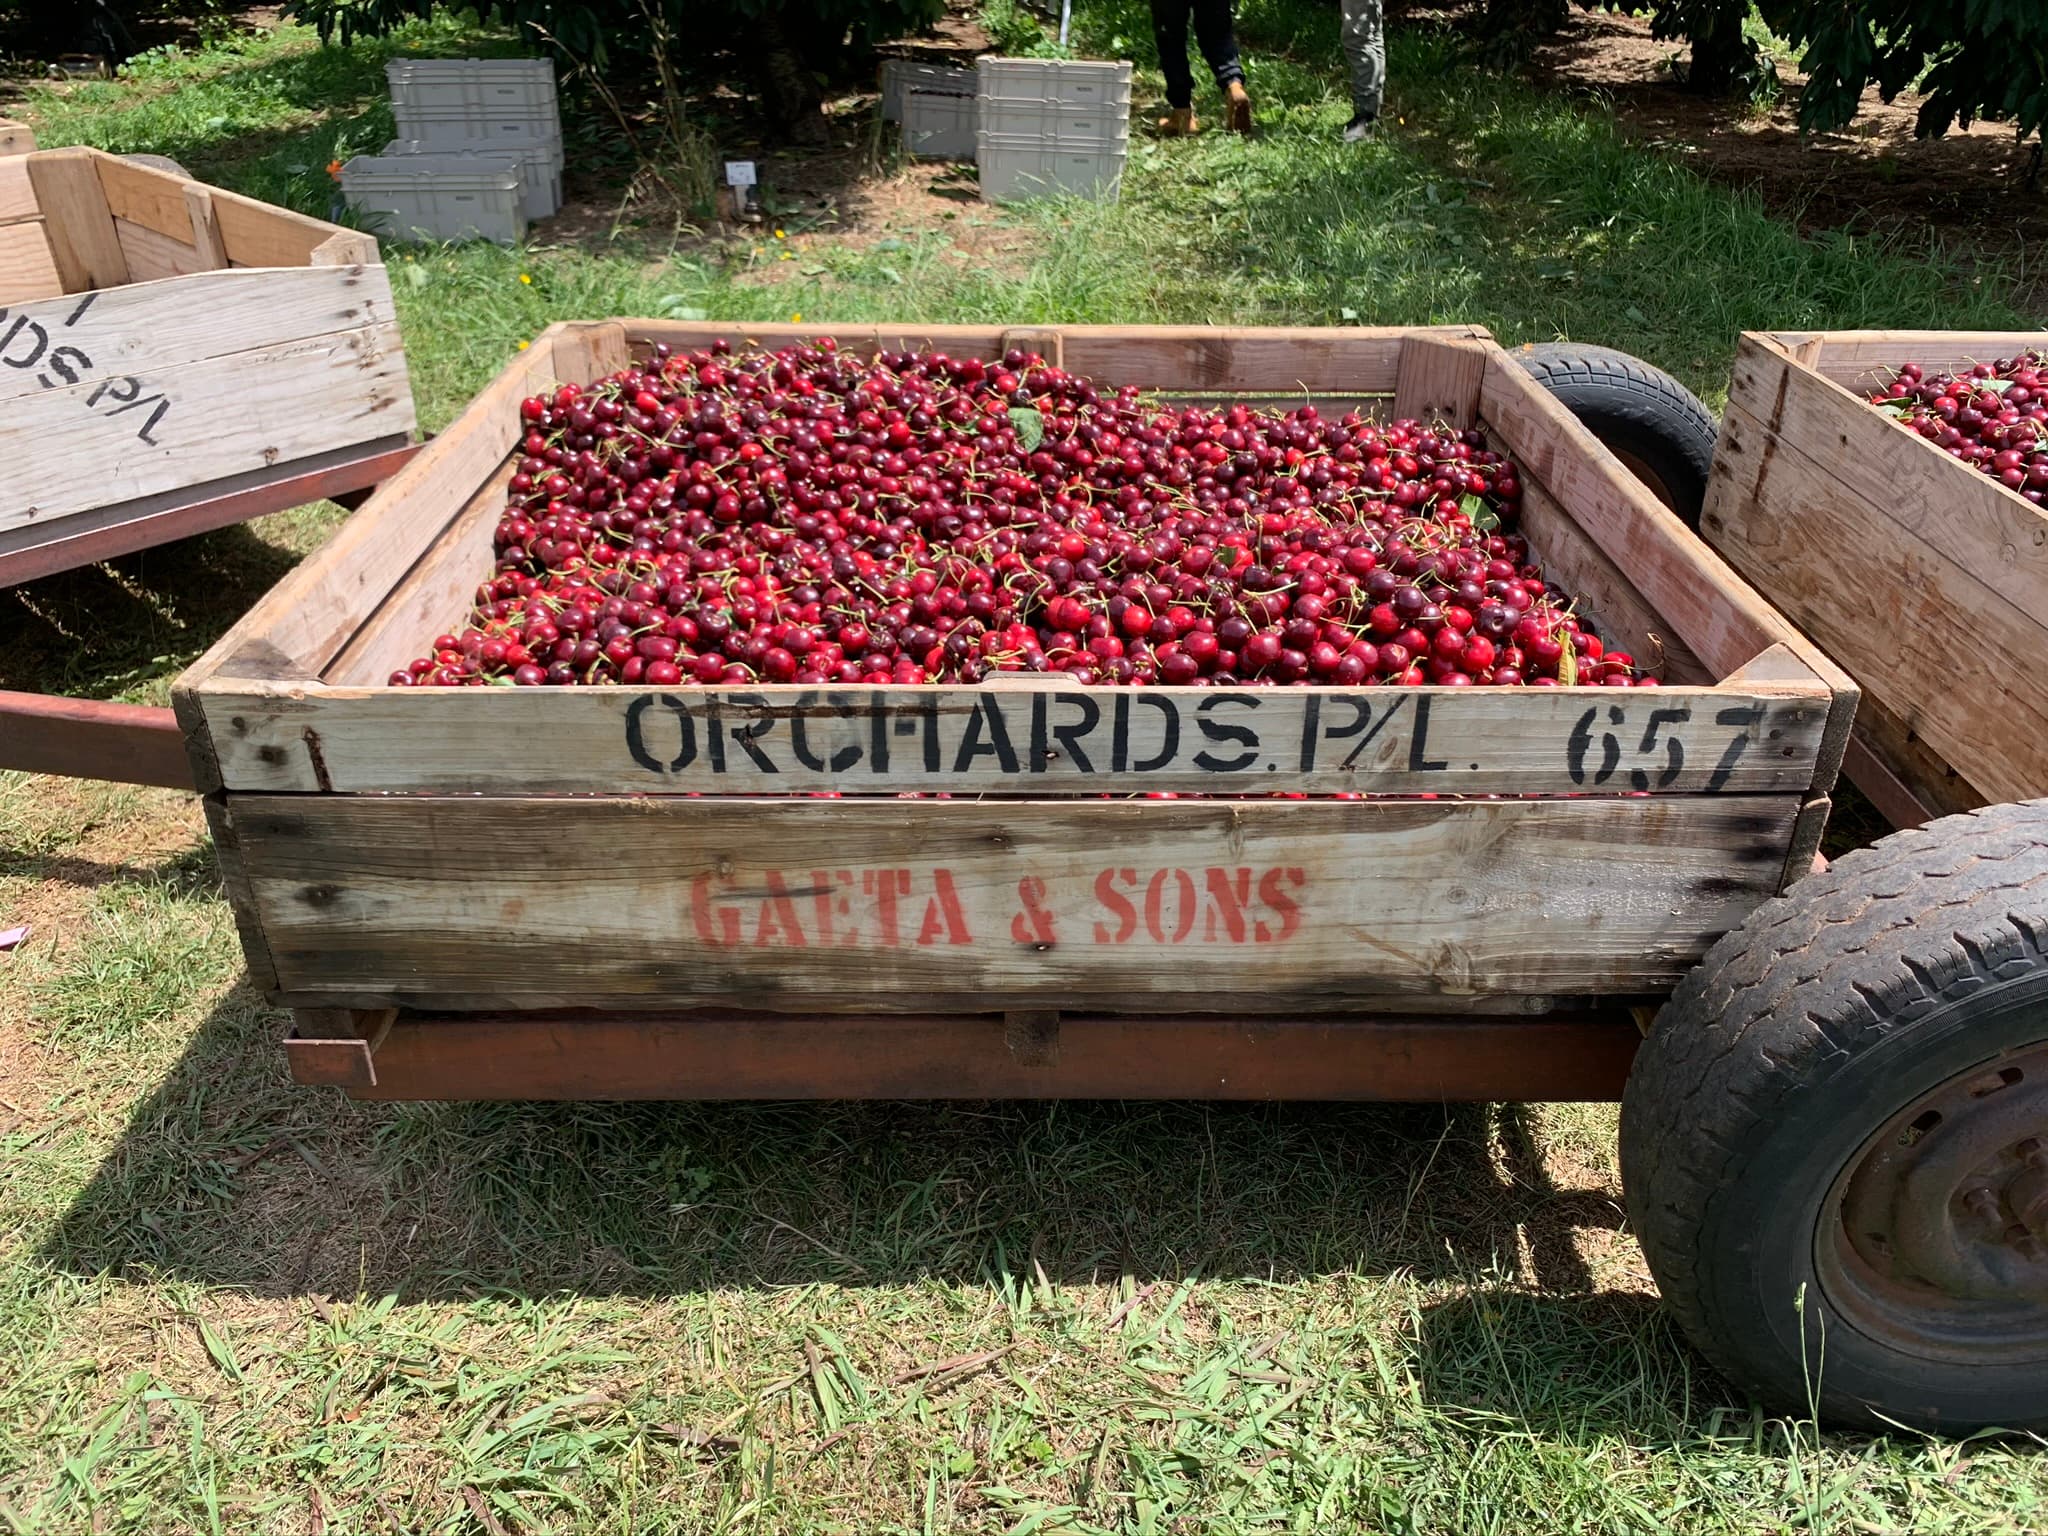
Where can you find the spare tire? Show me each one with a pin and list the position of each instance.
(1645, 417)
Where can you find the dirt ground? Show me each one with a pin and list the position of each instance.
(1875, 175)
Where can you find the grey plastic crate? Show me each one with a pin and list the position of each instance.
(1014, 170)
(1073, 82)
(938, 127)
(500, 84)
(540, 174)
(452, 130)
(437, 196)
(1064, 125)
(900, 75)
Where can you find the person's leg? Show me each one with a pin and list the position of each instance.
(1366, 46)
(1170, 33)
(1218, 40)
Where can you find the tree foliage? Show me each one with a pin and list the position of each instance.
(1968, 59)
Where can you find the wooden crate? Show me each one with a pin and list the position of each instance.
(15, 138)
(517, 852)
(166, 346)
(1926, 579)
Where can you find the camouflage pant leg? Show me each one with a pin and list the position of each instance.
(1365, 44)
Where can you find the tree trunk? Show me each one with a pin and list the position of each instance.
(788, 89)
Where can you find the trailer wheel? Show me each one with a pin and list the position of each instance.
(1645, 417)
(1835, 1140)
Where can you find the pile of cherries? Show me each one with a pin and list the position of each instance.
(1994, 417)
(809, 516)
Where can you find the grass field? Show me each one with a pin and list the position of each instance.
(230, 1305)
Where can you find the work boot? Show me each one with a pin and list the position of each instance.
(1360, 128)
(1179, 122)
(1239, 106)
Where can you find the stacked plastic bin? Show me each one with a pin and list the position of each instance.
(936, 106)
(1051, 127)
(478, 152)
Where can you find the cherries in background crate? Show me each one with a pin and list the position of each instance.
(1995, 417)
(809, 516)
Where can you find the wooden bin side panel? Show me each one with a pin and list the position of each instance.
(161, 386)
(1192, 359)
(1004, 738)
(906, 906)
(1922, 576)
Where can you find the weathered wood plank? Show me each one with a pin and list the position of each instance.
(1620, 613)
(17, 192)
(77, 220)
(27, 269)
(1031, 739)
(152, 256)
(1859, 359)
(1926, 637)
(1715, 615)
(143, 195)
(434, 596)
(728, 1055)
(15, 138)
(148, 329)
(257, 234)
(206, 237)
(198, 422)
(35, 550)
(795, 905)
(1438, 380)
(1344, 360)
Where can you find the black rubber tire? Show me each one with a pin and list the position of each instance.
(1653, 423)
(1833, 1009)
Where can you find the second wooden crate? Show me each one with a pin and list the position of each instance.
(166, 345)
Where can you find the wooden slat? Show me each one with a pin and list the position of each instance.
(206, 236)
(27, 270)
(77, 220)
(1926, 637)
(1857, 359)
(257, 234)
(86, 538)
(436, 595)
(202, 421)
(297, 627)
(148, 329)
(17, 192)
(1028, 739)
(15, 138)
(152, 256)
(1344, 360)
(92, 739)
(727, 1055)
(1438, 380)
(793, 904)
(1719, 619)
(144, 195)
(1621, 614)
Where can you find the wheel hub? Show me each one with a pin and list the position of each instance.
(1941, 1241)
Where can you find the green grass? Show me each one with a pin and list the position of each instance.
(228, 1304)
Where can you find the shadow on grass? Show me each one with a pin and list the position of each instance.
(102, 629)
(229, 1175)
